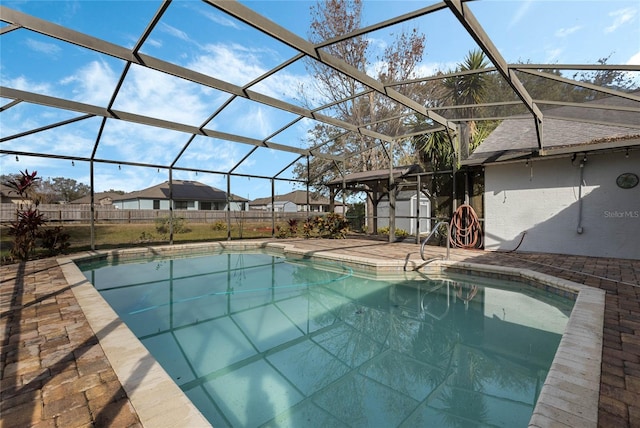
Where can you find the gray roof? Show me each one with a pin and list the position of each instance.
(183, 190)
(562, 131)
(298, 197)
(380, 174)
(86, 199)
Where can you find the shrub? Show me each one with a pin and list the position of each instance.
(146, 237)
(400, 233)
(28, 219)
(329, 226)
(292, 223)
(179, 225)
(219, 225)
(55, 240)
(281, 232)
(332, 225)
(307, 228)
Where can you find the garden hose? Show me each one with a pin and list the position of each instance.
(465, 230)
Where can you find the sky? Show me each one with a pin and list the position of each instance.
(194, 35)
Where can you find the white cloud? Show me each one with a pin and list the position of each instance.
(635, 59)
(216, 154)
(24, 84)
(621, 17)
(231, 63)
(520, 13)
(152, 93)
(553, 54)
(94, 83)
(50, 49)
(154, 42)
(432, 68)
(174, 32)
(564, 32)
(219, 19)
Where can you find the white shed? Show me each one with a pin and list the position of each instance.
(406, 209)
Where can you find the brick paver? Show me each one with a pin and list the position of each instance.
(55, 374)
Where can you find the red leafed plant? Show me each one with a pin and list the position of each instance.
(27, 228)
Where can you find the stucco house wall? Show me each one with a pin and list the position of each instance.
(542, 198)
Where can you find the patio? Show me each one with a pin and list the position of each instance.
(55, 372)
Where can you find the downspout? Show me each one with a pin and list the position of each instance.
(580, 229)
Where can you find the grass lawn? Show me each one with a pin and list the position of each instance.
(129, 235)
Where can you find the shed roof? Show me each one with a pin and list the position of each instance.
(298, 197)
(379, 175)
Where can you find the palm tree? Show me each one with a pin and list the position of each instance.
(468, 89)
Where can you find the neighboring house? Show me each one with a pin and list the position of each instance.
(581, 197)
(406, 207)
(187, 195)
(10, 196)
(295, 201)
(99, 198)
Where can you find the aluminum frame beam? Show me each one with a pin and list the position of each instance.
(146, 120)
(257, 21)
(47, 28)
(475, 30)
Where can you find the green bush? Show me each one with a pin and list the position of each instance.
(400, 233)
(333, 226)
(219, 225)
(55, 240)
(179, 225)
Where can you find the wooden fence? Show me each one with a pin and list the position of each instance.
(107, 214)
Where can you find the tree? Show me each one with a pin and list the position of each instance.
(397, 62)
(459, 88)
(61, 189)
(54, 190)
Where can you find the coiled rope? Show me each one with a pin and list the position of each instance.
(465, 230)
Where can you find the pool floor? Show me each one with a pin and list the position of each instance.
(254, 340)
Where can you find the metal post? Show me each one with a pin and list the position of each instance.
(273, 208)
(418, 191)
(392, 197)
(92, 210)
(170, 206)
(228, 207)
(308, 179)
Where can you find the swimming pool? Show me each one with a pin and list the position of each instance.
(255, 339)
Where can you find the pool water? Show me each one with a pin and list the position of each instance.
(257, 340)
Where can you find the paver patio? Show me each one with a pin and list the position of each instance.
(55, 373)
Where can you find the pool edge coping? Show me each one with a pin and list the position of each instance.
(570, 393)
(156, 398)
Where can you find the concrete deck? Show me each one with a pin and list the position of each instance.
(55, 372)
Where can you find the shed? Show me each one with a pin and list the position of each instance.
(406, 210)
